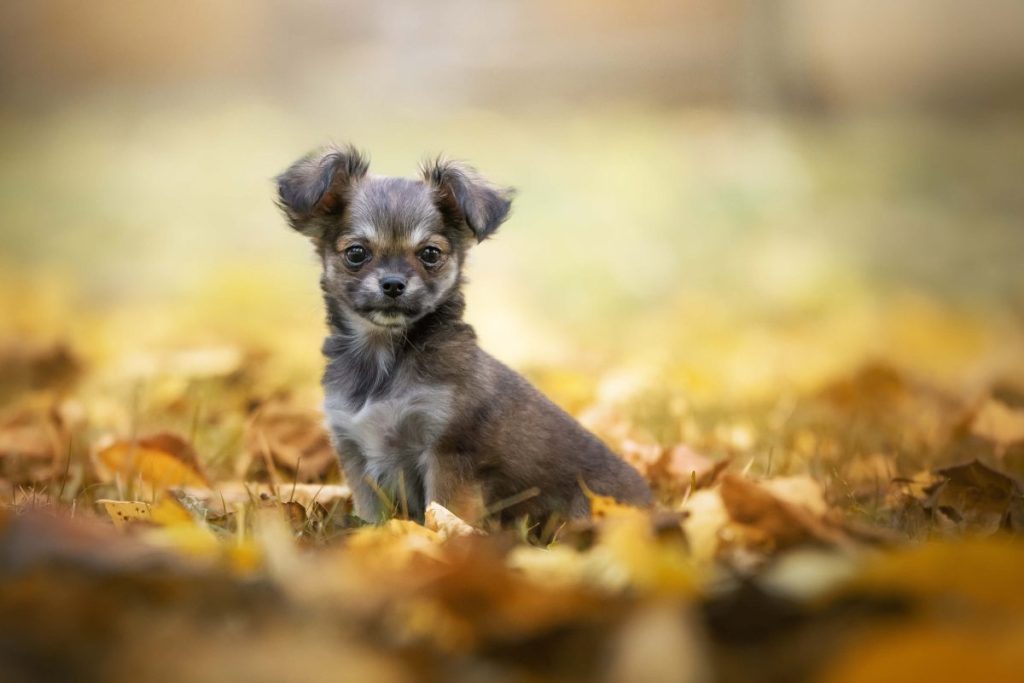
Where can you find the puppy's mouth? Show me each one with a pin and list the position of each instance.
(387, 318)
(390, 315)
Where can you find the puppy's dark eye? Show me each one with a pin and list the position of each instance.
(430, 256)
(356, 255)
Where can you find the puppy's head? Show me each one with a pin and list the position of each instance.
(392, 248)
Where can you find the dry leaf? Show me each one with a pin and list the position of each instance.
(296, 441)
(440, 519)
(936, 653)
(392, 546)
(225, 495)
(166, 512)
(681, 469)
(706, 518)
(124, 512)
(34, 442)
(157, 462)
(976, 498)
(777, 519)
(31, 368)
(296, 516)
(983, 572)
(999, 423)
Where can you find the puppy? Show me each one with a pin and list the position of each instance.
(417, 411)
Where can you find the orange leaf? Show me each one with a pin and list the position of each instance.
(158, 462)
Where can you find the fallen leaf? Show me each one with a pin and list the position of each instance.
(169, 512)
(31, 368)
(629, 553)
(440, 519)
(157, 462)
(976, 498)
(224, 495)
(296, 441)
(775, 516)
(937, 653)
(999, 423)
(124, 512)
(166, 512)
(801, 491)
(681, 469)
(296, 515)
(982, 572)
(29, 434)
(705, 520)
(392, 546)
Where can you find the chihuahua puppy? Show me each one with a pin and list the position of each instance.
(416, 410)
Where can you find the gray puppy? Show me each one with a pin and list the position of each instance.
(417, 411)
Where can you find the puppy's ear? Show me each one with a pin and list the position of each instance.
(318, 185)
(464, 196)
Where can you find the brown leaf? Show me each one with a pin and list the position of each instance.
(976, 498)
(33, 444)
(27, 434)
(296, 515)
(35, 368)
(295, 439)
(772, 522)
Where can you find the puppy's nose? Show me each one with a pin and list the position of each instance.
(392, 285)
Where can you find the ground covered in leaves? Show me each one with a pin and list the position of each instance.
(864, 529)
(836, 451)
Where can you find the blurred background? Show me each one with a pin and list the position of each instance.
(737, 198)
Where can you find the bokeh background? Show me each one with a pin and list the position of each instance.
(733, 199)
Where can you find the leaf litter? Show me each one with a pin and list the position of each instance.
(192, 503)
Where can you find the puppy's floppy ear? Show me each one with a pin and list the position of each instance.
(464, 196)
(318, 185)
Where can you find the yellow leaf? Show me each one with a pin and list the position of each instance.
(391, 546)
(982, 571)
(630, 549)
(606, 507)
(195, 540)
(935, 653)
(169, 512)
(123, 512)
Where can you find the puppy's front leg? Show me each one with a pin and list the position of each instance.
(449, 482)
(368, 504)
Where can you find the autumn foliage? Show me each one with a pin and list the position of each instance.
(863, 529)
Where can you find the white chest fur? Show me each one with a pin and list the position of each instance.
(393, 431)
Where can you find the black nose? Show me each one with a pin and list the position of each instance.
(392, 285)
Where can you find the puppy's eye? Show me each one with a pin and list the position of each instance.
(356, 255)
(430, 256)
